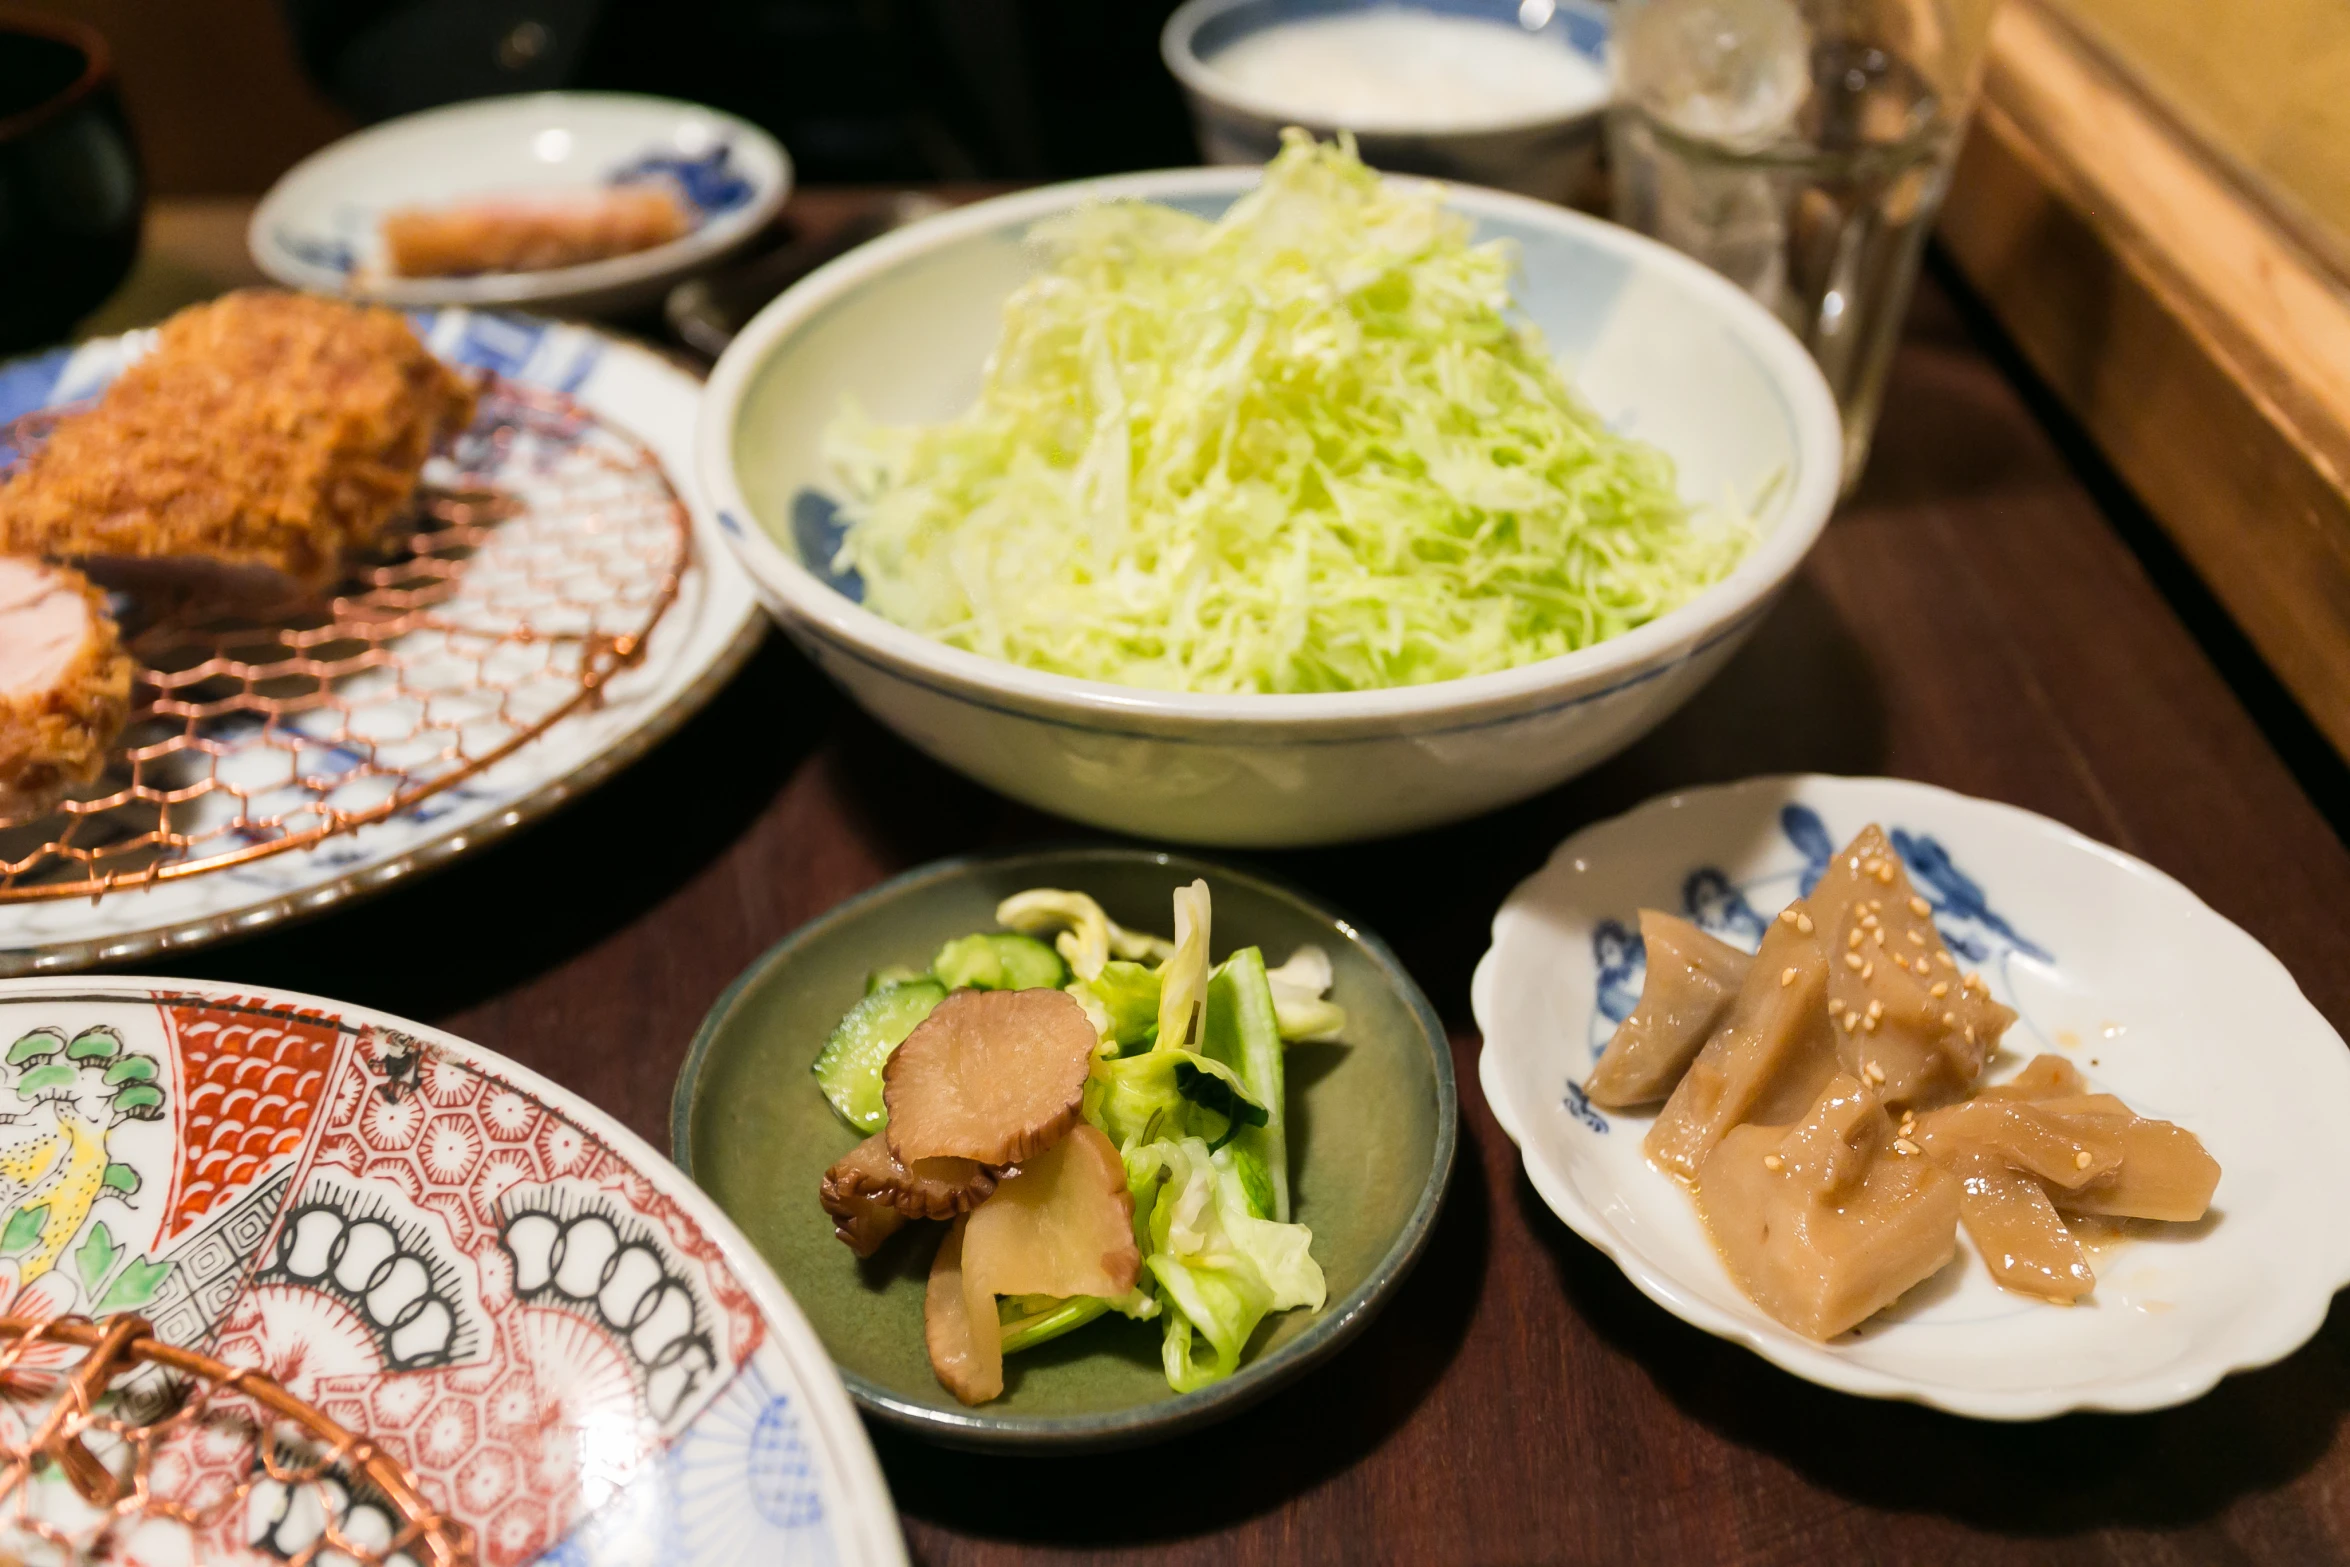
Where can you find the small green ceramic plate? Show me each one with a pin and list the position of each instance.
(1372, 1127)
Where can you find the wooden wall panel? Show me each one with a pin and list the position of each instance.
(2202, 348)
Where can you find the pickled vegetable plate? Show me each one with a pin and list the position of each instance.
(1372, 1127)
(2110, 963)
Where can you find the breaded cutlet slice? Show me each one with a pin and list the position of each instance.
(267, 437)
(65, 683)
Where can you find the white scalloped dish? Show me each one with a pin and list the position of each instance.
(2111, 964)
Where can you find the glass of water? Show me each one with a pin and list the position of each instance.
(1801, 149)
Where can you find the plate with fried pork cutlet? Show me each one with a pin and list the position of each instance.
(1921, 1096)
(298, 597)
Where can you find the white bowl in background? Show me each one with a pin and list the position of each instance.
(317, 229)
(1663, 348)
(1551, 155)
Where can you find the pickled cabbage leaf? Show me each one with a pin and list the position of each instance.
(1128, 995)
(1299, 987)
(1220, 1269)
(1083, 934)
(1170, 1094)
(1183, 978)
(1301, 447)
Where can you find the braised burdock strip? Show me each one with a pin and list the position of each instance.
(266, 438)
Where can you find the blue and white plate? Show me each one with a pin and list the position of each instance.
(317, 228)
(2109, 963)
(698, 644)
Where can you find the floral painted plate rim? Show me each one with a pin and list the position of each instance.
(869, 1533)
(1543, 912)
(715, 627)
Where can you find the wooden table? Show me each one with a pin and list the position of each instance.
(1978, 616)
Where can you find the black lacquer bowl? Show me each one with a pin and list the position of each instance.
(71, 193)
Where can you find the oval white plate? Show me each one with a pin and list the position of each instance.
(699, 644)
(670, 1406)
(2152, 994)
(317, 227)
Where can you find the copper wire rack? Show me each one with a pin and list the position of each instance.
(117, 1446)
(542, 552)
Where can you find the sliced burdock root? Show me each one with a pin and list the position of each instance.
(1766, 1061)
(1826, 1222)
(868, 1176)
(2164, 1173)
(1909, 1021)
(2043, 1077)
(2017, 1229)
(994, 1076)
(2065, 1151)
(960, 1327)
(1692, 980)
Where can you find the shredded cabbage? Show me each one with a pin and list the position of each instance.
(1300, 448)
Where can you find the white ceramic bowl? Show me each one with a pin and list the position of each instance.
(317, 229)
(1661, 346)
(2109, 963)
(1551, 155)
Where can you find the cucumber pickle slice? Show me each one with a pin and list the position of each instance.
(848, 1069)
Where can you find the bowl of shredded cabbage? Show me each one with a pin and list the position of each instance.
(1268, 507)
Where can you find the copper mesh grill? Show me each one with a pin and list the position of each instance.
(115, 1445)
(541, 555)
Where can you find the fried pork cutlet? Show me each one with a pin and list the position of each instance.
(266, 438)
(530, 234)
(65, 683)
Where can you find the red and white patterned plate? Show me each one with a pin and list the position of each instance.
(567, 1344)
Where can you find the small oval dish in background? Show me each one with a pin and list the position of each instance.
(1372, 1124)
(1507, 93)
(320, 226)
(2111, 964)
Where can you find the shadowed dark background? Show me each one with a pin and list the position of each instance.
(226, 94)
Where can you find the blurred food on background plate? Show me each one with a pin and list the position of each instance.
(532, 233)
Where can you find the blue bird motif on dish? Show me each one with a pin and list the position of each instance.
(1957, 898)
(1717, 907)
(1809, 834)
(710, 183)
(319, 250)
(1623, 968)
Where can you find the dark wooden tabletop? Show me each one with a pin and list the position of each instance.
(1982, 615)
